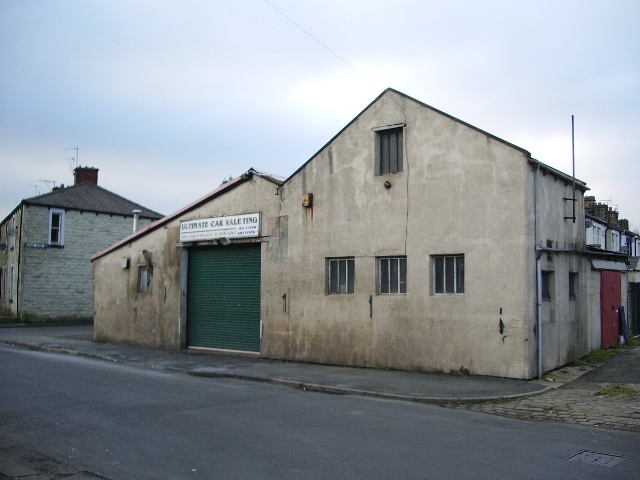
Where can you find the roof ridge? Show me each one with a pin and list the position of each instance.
(64, 198)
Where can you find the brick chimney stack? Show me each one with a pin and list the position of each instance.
(85, 174)
(590, 205)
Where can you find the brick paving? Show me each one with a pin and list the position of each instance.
(576, 402)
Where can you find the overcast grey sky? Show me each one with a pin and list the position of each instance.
(168, 97)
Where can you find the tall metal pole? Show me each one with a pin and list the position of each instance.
(573, 162)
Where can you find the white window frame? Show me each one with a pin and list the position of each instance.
(346, 287)
(52, 212)
(392, 281)
(597, 235)
(615, 241)
(443, 284)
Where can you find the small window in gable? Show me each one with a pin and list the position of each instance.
(390, 148)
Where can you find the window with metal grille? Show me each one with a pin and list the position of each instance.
(448, 274)
(340, 275)
(392, 275)
(390, 151)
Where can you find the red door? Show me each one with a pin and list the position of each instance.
(610, 300)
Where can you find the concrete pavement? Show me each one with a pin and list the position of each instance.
(389, 384)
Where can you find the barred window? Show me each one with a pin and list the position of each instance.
(340, 275)
(390, 151)
(448, 274)
(392, 275)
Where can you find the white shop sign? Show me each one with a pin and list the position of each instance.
(232, 226)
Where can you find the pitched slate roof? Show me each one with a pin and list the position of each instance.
(89, 197)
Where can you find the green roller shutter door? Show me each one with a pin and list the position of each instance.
(223, 298)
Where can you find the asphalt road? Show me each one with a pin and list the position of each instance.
(95, 419)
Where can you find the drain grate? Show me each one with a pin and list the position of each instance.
(594, 458)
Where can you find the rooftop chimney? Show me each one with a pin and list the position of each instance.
(85, 174)
(136, 219)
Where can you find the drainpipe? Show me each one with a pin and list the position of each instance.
(18, 292)
(539, 311)
(538, 253)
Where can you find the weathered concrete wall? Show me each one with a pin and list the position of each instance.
(124, 315)
(57, 283)
(461, 192)
(570, 326)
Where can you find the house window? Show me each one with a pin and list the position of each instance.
(448, 274)
(11, 278)
(615, 241)
(392, 275)
(56, 227)
(390, 151)
(341, 275)
(547, 278)
(573, 281)
(597, 234)
(12, 233)
(1, 283)
(145, 278)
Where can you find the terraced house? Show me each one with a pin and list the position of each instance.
(47, 241)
